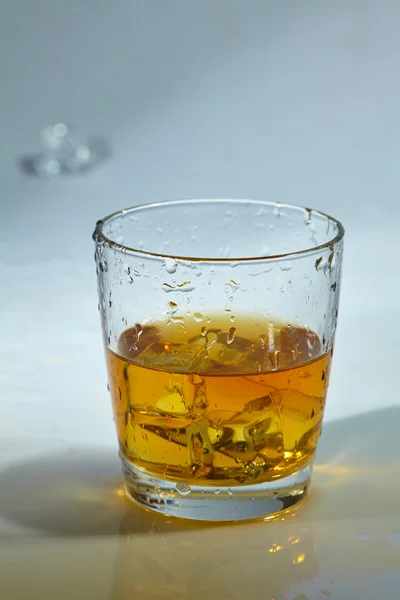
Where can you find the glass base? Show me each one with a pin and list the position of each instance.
(212, 503)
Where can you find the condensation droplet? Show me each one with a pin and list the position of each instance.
(277, 211)
(171, 265)
(286, 266)
(183, 488)
(331, 261)
(232, 319)
(186, 286)
(217, 492)
(318, 262)
(231, 335)
(198, 317)
(203, 331)
(274, 358)
(230, 493)
(173, 307)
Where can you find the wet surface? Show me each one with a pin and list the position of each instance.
(65, 514)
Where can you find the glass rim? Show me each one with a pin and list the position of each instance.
(98, 234)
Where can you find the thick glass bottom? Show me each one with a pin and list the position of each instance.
(212, 503)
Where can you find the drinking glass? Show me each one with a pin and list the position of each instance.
(219, 319)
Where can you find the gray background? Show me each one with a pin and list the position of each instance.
(286, 100)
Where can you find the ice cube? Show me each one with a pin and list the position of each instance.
(173, 402)
(308, 442)
(172, 357)
(298, 406)
(254, 432)
(200, 401)
(201, 452)
(135, 340)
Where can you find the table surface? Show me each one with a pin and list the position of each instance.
(66, 530)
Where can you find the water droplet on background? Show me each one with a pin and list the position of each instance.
(64, 151)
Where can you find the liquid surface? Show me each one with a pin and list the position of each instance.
(219, 401)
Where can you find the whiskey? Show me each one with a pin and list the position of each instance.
(214, 400)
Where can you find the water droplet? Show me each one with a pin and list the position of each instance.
(173, 307)
(331, 261)
(108, 386)
(232, 285)
(274, 357)
(217, 492)
(186, 286)
(231, 335)
(318, 263)
(183, 488)
(203, 331)
(171, 265)
(333, 287)
(230, 493)
(232, 319)
(198, 317)
(277, 211)
(286, 266)
(307, 216)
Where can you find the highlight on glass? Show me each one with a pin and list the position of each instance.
(219, 320)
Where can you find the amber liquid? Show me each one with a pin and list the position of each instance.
(218, 401)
